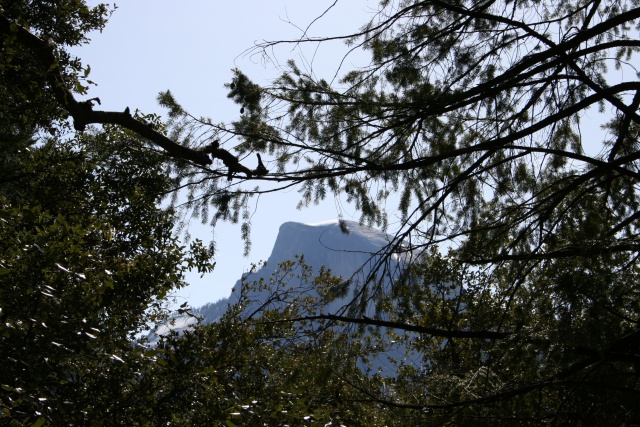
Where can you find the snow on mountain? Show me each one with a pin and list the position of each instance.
(177, 323)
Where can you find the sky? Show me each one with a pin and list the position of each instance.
(190, 47)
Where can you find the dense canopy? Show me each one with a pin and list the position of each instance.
(503, 133)
(506, 134)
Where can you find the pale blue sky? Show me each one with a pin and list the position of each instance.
(190, 47)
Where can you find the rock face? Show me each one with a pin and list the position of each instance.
(322, 244)
(347, 250)
(327, 244)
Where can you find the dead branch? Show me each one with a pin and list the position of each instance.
(83, 113)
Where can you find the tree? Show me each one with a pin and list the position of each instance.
(505, 132)
(475, 118)
(27, 101)
(87, 260)
(88, 257)
(255, 367)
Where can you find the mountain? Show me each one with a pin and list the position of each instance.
(346, 249)
(328, 244)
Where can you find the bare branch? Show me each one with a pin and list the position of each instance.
(82, 112)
